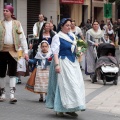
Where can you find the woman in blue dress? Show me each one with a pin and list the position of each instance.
(66, 91)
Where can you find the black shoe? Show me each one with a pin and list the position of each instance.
(93, 78)
(82, 110)
(19, 81)
(13, 101)
(73, 114)
(60, 114)
(41, 99)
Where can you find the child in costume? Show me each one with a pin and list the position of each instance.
(39, 79)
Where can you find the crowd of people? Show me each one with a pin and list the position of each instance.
(52, 58)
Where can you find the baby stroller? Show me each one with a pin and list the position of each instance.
(107, 66)
(33, 40)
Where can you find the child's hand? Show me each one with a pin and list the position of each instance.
(57, 69)
(26, 57)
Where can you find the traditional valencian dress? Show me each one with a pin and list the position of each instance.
(11, 37)
(66, 91)
(48, 39)
(41, 78)
(92, 37)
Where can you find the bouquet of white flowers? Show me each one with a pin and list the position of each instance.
(81, 48)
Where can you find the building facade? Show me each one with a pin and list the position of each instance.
(27, 11)
(20, 8)
(56, 10)
(98, 10)
(79, 12)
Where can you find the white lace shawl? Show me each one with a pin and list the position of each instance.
(56, 43)
(94, 34)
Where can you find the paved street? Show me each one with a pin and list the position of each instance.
(103, 102)
(103, 98)
(99, 101)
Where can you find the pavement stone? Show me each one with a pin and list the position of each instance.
(108, 101)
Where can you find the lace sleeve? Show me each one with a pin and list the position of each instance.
(88, 38)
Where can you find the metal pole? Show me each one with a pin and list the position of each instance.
(91, 10)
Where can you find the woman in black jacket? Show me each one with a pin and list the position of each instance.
(46, 33)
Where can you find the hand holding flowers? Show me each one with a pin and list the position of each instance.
(81, 47)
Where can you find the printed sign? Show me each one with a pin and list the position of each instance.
(72, 1)
(108, 10)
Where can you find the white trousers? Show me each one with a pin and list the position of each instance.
(12, 82)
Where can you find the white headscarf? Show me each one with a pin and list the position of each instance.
(41, 55)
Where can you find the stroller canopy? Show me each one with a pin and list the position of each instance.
(104, 49)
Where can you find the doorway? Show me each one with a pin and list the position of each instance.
(84, 13)
(33, 11)
(98, 13)
(118, 16)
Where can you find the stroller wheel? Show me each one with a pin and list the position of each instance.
(104, 81)
(115, 82)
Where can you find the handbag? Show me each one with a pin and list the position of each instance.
(22, 67)
(31, 81)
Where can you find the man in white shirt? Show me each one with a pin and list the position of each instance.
(38, 25)
(11, 38)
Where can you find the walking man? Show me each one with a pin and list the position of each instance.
(11, 37)
(38, 25)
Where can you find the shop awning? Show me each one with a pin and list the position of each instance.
(71, 1)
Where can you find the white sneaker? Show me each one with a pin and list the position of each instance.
(12, 97)
(44, 97)
(2, 98)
